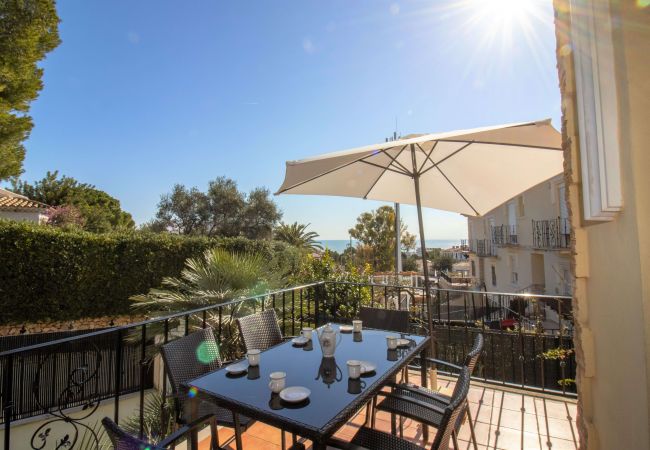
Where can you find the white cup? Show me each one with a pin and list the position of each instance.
(277, 381)
(357, 326)
(306, 333)
(354, 369)
(391, 341)
(253, 356)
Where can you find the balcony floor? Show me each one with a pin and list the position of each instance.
(505, 419)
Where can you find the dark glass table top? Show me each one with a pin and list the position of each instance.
(331, 391)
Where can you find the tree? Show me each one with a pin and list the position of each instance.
(28, 31)
(296, 235)
(443, 263)
(221, 211)
(100, 212)
(375, 231)
(66, 216)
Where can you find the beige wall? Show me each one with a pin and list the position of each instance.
(612, 259)
(541, 202)
(24, 216)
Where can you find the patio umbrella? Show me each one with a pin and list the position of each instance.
(467, 171)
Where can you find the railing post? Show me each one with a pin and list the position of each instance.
(143, 363)
(7, 400)
(118, 376)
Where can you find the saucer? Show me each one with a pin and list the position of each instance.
(367, 367)
(403, 342)
(237, 368)
(294, 394)
(300, 341)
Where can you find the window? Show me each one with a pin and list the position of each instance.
(473, 269)
(494, 276)
(561, 197)
(520, 206)
(514, 276)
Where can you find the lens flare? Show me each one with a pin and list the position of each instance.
(207, 352)
(192, 392)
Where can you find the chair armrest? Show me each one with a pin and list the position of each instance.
(343, 445)
(440, 362)
(425, 393)
(182, 431)
(413, 401)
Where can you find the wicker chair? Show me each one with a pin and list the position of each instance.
(121, 440)
(385, 319)
(396, 406)
(368, 438)
(260, 331)
(186, 359)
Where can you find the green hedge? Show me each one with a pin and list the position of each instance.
(51, 274)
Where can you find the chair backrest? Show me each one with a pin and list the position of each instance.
(190, 357)
(385, 319)
(475, 352)
(121, 440)
(452, 411)
(260, 331)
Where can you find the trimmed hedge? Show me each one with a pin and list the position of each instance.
(50, 274)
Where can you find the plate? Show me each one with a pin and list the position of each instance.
(403, 342)
(299, 341)
(294, 394)
(346, 328)
(367, 367)
(237, 368)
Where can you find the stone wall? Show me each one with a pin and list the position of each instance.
(91, 323)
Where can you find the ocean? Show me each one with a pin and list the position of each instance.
(338, 245)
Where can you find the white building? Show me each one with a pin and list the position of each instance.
(523, 245)
(18, 207)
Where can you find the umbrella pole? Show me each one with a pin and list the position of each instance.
(425, 267)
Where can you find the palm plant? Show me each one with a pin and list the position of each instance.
(216, 277)
(213, 279)
(296, 235)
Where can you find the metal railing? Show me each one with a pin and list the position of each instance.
(483, 247)
(551, 234)
(84, 370)
(456, 278)
(504, 235)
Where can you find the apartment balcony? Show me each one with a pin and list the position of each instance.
(551, 234)
(58, 391)
(504, 235)
(482, 247)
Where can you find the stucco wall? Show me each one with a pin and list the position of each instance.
(612, 259)
(23, 216)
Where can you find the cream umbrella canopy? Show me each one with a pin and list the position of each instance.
(466, 171)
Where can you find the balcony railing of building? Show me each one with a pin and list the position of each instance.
(504, 235)
(551, 234)
(456, 278)
(482, 247)
(67, 379)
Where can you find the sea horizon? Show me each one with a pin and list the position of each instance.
(338, 245)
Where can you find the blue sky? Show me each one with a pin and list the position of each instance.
(144, 94)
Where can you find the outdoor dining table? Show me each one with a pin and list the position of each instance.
(334, 398)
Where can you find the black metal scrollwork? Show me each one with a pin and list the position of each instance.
(80, 390)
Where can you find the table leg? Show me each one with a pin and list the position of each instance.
(194, 412)
(423, 381)
(235, 419)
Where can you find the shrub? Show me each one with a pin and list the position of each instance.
(53, 274)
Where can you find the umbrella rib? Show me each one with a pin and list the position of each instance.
(447, 157)
(382, 173)
(394, 160)
(385, 167)
(502, 143)
(428, 157)
(456, 189)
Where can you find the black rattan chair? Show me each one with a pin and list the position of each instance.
(368, 438)
(121, 440)
(260, 331)
(396, 406)
(190, 357)
(385, 319)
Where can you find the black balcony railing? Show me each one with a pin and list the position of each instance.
(504, 234)
(83, 371)
(549, 234)
(483, 247)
